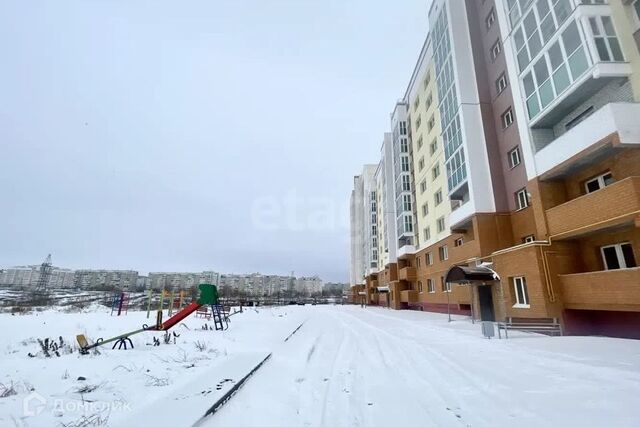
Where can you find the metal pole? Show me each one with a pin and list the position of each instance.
(149, 302)
(448, 290)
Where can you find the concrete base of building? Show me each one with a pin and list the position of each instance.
(463, 309)
(619, 324)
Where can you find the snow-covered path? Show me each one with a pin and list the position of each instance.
(349, 366)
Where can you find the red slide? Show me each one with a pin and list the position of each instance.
(170, 322)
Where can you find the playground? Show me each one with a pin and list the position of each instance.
(176, 366)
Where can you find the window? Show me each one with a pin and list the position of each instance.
(438, 197)
(440, 224)
(427, 234)
(618, 256)
(605, 38)
(522, 199)
(425, 209)
(405, 164)
(404, 147)
(431, 124)
(427, 79)
(406, 183)
(406, 203)
(528, 239)
(458, 242)
(430, 288)
(433, 146)
(420, 143)
(446, 286)
(507, 118)
(418, 262)
(416, 103)
(435, 171)
(496, 49)
(490, 19)
(520, 292)
(429, 258)
(443, 251)
(599, 182)
(429, 101)
(514, 157)
(419, 286)
(408, 224)
(418, 122)
(636, 6)
(501, 83)
(423, 186)
(421, 164)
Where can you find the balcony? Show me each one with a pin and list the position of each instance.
(470, 249)
(602, 290)
(409, 296)
(619, 118)
(616, 204)
(406, 250)
(408, 274)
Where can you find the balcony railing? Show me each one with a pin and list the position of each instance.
(613, 205)
(409, 296)
(407, 273)
(602, 290)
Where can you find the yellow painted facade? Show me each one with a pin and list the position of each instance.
(627, 22)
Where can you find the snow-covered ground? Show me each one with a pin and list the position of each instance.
(346, 366)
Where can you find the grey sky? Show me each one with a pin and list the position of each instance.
(190, 135)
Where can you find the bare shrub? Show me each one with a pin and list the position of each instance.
(200, 345)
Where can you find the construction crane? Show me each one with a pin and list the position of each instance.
(45, 275)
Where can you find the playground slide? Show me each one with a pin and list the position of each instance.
(179, 316)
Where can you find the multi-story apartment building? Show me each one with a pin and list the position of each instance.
(103, 279)
(30, 274)
(533, 110)
(309, 286)
(172, 280)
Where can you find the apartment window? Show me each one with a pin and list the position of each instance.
(501, 83)
(425, 209)
(418, 262)
(423, 186)
(403, 128)
(431, 124)
(458, 242)
(528, 239)
(427, 79)
(433, 146)
(520, 292)
(418, 122)
(443, 251)
(438, 197)
(605, 38)
(427, 234)
(636, 6)
(404, 146)
(445, 286)
(490, 19)
(406, 183)
(507, 118)
(440, 224)
(405, 164)
(430, 288)
(429, 258)
(408, 224)
(416, 103)
(406, 203)
(522, 199)
(419, 286)
(420, 143)
(514, 157)
(496, 49)
(421, 164)
(435, 171)
(618, 256)
(599, 182)
(429, 101)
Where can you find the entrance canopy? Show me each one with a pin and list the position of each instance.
(471, 275)
(383, 289)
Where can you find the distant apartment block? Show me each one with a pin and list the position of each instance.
(101, 279)
(176, 281)
(516, 150)
(29, 276)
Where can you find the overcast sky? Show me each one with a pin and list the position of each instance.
(189, 135)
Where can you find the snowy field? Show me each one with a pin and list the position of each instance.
(346, 366)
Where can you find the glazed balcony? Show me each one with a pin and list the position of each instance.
(407, 273)
(613, 205)
(602, 290)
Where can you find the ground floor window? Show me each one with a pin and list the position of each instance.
(618, 256)
(419, 286)
(430, 288)
(520, 292)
